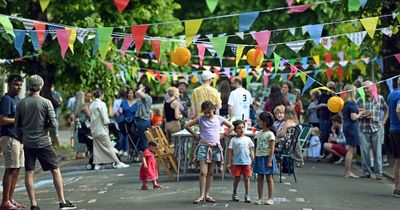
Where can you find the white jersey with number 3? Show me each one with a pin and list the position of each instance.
(240, 99)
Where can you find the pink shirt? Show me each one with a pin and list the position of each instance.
(210, 128)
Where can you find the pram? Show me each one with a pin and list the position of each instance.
(130, 130)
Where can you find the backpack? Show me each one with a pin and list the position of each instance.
(55, 99)
(84, 133)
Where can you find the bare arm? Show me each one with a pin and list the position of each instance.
(230, 128)
(271, 153)
(252, 154)
(229, 158)
(144, 162)
(178, 114)
(398, 111)
(188, 127)
(230, 110)
(4, 120)
(355, 116)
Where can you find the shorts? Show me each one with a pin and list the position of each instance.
(46, 156)
(339, 148)
(237, 170)
(13, 152)
(395, 143)
(202, 153)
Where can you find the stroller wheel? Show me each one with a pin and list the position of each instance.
(114, 165)
(89, 166)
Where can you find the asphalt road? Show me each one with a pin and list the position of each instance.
(320, 186)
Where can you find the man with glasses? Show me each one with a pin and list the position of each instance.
(13, 148)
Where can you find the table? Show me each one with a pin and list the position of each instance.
(183, 136)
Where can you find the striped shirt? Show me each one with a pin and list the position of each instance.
(372, 125)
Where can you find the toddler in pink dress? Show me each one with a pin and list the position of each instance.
(148, 170)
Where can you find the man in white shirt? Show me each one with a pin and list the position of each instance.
(239, 100)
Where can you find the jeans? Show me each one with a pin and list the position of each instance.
(325, 127)
(142, 126)
(124, 142)
(369, 140)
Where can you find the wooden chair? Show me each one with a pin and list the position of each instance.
(163, 152)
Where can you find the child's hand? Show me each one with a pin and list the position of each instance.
(144, 165)
(269, 164)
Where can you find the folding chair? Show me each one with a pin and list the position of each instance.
(285, 150)
(163, 151)
(303, 137)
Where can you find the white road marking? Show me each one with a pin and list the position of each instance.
(292, 190)
(287, 183)
(300, 200)
(121, 174)
(109, 184)
(307, 209)
(92, 201)
(102, 192)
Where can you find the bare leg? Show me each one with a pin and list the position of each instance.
(29, 185)
(271, 186)
(236, 181)
(246, 181)
(202, 178)
(348, 161)
(15, 174)
(397, 174)
(58, 184)
(260, 185)
(7, 184)
(210, 177)
(328, 147)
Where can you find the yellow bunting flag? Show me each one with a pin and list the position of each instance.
(191, 29)
(362, 67)
(370, 25)
(316, 59)
(303, 77)
(72, 39)
(239, 52)
(44, 4)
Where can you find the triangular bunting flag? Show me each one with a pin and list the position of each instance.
(353, 5)
(380, 63)
(397, 56)
(125, 45)
(329, 74)
(104, 37)
(292, 31)
(121, 4)
(303, 77)
(8, 27)
(81, 34)
(388, 31)
(389, 83)
(341, 55)
(339, 71)
(40, 31)
(304, 62)
(155, 44)
(219, 44)
(328, 41)
(246, 20)
(296, 46)
(271, 49)
(375, 92)
(239, 52)
(361, 92)
(72, 39)
(262, 39)
(44, 4)
(289, 2)
(277, 60)
(201, 49)
(363, 2)
(316, 59)
(28, 24)
(299, 8)
(138, 34)
(63, 40)
(309, 83)
(191, 29)
(370, 25)
(211, 49)
(366, 60)
(343, 63)
(211, 4)
(284, 77)
(19, 41)
(357, 37)
(163, 47)
(293, 71)
(240, 35)
(315, 32)
(35, 40)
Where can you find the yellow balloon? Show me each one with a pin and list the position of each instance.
(181, 56)
(194, 79)
(251, 57)
(335, 104)
(242, 74)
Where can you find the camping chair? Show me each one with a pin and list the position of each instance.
(303, 137)
(285, 148)
(163, 152)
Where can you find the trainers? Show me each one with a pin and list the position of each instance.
(121, 165)
(120, 152)
(235, 197)
(385, 163)
(379, 177)
(67, 205)
(9, 206)
(338, 162)
(96, 167)
(125, 154)
(396, 193)
(366, 176)
(259, 202)
(247, 199)
(35, 208)
(269, 202)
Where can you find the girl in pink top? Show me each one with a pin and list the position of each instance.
(209, 149)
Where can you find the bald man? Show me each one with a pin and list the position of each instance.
(371, 128)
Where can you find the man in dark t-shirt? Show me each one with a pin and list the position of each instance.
(324, 114)
(13, 148)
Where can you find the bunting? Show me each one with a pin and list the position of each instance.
(296, 46)
(315, 32)
(44, 4)
(370, 25)
(309, 83)
(125, 45)
(8, 27)
(191, 29)
(63, 37)
(104, 39)
(239, 52)
(138, 33)
(212, 4)
(246, 20)
(121, 5)
(19, 40)
(262, 39)
(219, 44)
(357, 37)
(40, 31)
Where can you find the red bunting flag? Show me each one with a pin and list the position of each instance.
(269, 66)
(339, 71)
(40, 31)
(397, 57)
(121, 4)
(329, 74)
(155, 44)
(138, 33)
(328, 58)
(158, 75)
(63, 37)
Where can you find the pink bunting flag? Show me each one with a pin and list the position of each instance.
(299, 8)
(293, 71)
(109, 65)
(201, 48)
(155, 44)
(375, 92)
(397, 57)
(265, 78)
(125, 45)
(289, 2)
(121, 4)
(262, 39)
(63, 37)
(138, 33)
(40, 32)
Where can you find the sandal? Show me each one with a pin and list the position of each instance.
(145, 187)
(198, 200)
(210, 199)
(157, 186)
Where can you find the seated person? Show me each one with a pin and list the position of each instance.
(336, 145)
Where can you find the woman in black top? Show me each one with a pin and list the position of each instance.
(172, 113)
(225, 90)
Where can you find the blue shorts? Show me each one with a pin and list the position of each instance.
(202, 153)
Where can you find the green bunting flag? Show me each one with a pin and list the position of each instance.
(354, 5)
(219, 44)
(104, 40)
(212, 4)
(277, 61)
(7, 25)
(361, 92)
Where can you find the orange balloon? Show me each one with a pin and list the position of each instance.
(242, 74)
(335, 104)
(194, 79)
(181, 56)
(251, 57)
